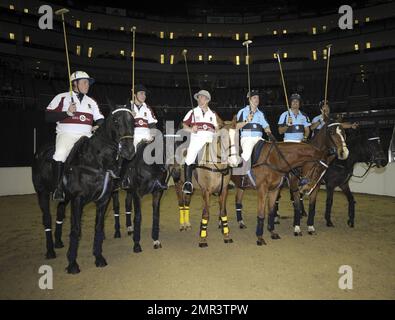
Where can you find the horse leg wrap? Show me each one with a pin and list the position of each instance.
(239, 208)
(186, 214)
(182, 216)
(203, 228)
(225, 228)
(259, 226)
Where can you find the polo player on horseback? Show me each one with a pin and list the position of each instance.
(294, 125)
(318, 121)
(74, 113)
(144, 119)
(251, 122)
(202, 123)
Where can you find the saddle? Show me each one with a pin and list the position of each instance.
(257, 151)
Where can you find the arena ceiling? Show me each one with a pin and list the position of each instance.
(222, 7)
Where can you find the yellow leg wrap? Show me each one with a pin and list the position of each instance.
(182, 215)
(203, 233)
(224, 219)
(186, 214)
(226, 230)
(204, 221)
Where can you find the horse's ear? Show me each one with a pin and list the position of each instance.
(339, 118)
(111, 105)
(232, 124)
(219, 121)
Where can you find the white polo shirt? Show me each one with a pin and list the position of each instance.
(206, 122)
(144, 117)
(82, 120)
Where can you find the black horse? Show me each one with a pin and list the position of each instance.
(139, 179)
(89, 175)
(364, 146)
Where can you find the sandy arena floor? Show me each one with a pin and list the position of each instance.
(290, 268)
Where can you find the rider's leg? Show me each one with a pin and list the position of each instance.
(64, 144)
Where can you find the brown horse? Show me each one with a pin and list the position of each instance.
(277, 159)
(211, 176)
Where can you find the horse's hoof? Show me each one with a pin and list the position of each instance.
(242, 225)
(329, 224)
(137, 248)
(350, 223)
(130, 233)
(117, 234)
(203, 245)
(298, 234)
(100, 262)
(50, 255)
(228, 240)
(73, 268)
(312, 233)
(187, 227)
(157, 245)
(275, 236)
(59, 244)
(261, 242)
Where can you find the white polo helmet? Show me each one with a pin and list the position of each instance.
(78, 75)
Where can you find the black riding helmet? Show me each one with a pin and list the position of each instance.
(295, 96)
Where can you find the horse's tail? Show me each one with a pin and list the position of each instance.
(40, 171)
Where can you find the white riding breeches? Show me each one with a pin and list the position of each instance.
(140, 137)
(64, 143)
(196, 144)
(247, 145)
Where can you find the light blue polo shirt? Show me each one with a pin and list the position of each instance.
(256, 126)
(296, 131)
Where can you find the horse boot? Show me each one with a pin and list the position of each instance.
(58, 194)
(187, 188)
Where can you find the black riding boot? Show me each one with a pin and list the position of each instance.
(58, 194)
(188, 186)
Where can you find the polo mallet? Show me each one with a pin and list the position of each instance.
(283, 81)
(62, 12)
(133, 59)
(329, 46)
(184, 53)
(246, 44)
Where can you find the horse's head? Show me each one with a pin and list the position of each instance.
(121, 128)
(336, 139)
(147, 178)
(374, 150)
(311, 173)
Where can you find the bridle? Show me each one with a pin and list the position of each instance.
(125, 136)
(124, 110)
(333, 150)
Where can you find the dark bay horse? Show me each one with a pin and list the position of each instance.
(364, 146)
(88, 177)
(139, 179)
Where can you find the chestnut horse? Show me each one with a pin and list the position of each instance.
(278, 159)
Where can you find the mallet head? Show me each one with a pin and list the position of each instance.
(61, 11)
(184, 52)
(247, 43)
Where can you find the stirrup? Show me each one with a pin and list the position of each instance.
(184, 187)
